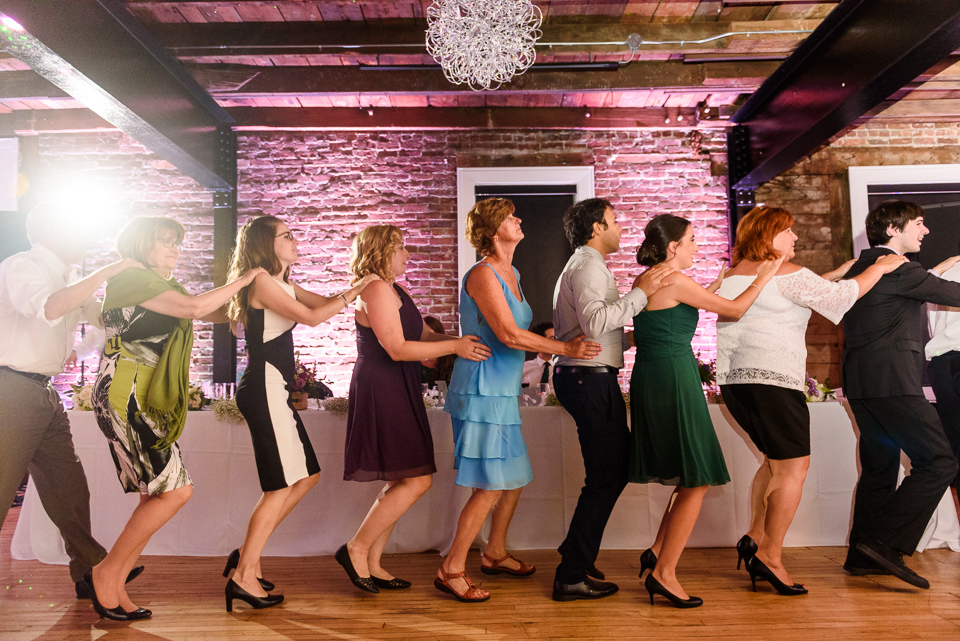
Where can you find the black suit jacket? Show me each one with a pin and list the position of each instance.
(883, 339)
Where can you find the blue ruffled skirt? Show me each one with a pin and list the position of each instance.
(489, 451)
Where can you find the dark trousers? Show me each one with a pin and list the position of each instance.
(35, 437)
(596, 404)
(898, 516)
(945, 380)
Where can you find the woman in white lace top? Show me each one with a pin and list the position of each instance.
(761, 369)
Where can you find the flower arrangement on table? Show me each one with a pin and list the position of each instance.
(82, 397)
(431, 398)
(708, 379)
(337, 405)
(818, 392)
(196, 399)
(225, 409)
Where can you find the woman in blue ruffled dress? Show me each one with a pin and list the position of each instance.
(490, 454)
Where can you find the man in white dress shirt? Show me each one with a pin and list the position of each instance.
(542, 365)
(42, 300)
(943, 352)
(587, 301)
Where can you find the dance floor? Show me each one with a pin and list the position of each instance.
(186, 595)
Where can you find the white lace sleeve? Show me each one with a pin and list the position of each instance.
(831, 300)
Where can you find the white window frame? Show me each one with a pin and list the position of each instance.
(862, 177)
(470, 177)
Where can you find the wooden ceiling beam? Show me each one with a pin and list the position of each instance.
(276, 38)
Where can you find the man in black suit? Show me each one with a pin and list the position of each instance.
(882, 369)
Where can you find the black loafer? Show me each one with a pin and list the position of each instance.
(891, 560)
(83, 592)
(589, 588)
(391, 584)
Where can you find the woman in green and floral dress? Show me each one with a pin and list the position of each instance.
(141, 392)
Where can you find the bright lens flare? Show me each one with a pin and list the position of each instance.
(10, 23)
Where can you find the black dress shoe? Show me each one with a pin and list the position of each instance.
(589, 588)
(114, 614)
(365, 583)
(594, 573)
(233, 560)
(390, 584)
(757, 569)
(892, 560)
(655, 587)
(139, 613)
(234, 591)
(83, 592)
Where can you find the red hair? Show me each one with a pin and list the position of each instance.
(756, 231)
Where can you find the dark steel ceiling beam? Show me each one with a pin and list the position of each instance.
(299, 38)
(861, 53)
(97, 52)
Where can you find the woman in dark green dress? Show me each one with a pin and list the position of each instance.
(673, 441)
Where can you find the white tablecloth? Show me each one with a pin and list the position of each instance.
(220, 460)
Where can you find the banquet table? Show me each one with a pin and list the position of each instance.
(220, 460)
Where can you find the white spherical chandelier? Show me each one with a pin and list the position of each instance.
(483, 43)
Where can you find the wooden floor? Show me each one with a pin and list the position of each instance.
(186, 595)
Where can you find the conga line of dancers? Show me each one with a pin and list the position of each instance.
(763, 302)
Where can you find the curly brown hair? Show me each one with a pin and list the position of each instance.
(255, 248)
(484, 220)
(373, 250)
(756, 231)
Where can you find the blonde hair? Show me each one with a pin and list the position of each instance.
(137, 238)
(254, 248)
(373, 249)
(484, 220)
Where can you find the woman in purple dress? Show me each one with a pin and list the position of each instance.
(388, 436)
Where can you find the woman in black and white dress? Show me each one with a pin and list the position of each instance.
(269, 310)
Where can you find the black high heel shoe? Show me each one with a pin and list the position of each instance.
(655, 587)
(234, 591)
(233, 560)
(758, 569)
(114, 614)
(648, 561)
(746, 549)
(365, 583)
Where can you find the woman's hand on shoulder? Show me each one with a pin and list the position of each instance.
(470, 348)
(890, 262)
(768, 268)
(251, 274)
(655, 278)
(366, 280)
(581, 349)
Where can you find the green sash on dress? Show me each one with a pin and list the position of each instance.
(169, 388)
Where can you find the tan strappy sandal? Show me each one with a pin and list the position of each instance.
(471, 595)
(496, 568)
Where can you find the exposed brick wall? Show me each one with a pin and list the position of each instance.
(327, 186)
(112, 168)
(816, 191)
